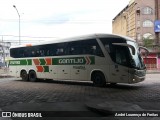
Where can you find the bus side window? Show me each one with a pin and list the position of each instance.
(85, 47)
(75, 48)
(47, 50)
(60, 49)
(92, 48)
(42, 53)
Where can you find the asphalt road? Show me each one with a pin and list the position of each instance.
(14, 93)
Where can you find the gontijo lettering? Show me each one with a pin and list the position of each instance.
(71, 61)
(87, 60)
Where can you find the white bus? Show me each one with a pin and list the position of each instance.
(101, 58)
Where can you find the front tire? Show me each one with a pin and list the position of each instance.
(32, 76)
(98, 79)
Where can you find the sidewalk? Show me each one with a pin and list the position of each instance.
(153, 71)
(4, 73)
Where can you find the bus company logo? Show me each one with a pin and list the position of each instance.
(74, 61)
(42, 68)
(71, 61)
(42, 64)
(88, 60)
(45, 61)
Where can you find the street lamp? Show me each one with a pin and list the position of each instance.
(19, 24)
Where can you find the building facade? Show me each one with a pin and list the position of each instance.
(4, 53)
(137, 20)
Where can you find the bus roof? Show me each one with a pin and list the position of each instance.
(76, 38)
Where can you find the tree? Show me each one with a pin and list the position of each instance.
(148, 43)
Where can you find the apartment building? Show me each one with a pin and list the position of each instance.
(140, 20)
(4, 53)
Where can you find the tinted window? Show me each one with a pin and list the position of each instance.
(89, 47)
(119, 54)
(39, 51)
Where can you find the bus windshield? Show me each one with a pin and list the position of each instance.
(136, 60)
(123, 55)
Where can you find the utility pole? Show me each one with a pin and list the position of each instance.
(19, 24)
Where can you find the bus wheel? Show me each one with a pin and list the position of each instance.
(98, 79)
(32, 76)
(24, 75)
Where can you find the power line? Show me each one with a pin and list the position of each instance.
(26, 36)
(55, 21)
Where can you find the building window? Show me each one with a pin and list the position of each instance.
(138, 11)
(148, 35)
(147, 11)
(147, 23)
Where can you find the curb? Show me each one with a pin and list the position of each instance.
(153, 72)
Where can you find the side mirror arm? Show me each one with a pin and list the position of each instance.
(141, 47)
(127, 45)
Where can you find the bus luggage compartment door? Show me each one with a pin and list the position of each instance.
(119, 74)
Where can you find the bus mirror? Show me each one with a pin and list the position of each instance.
(124, 44)
(144, 48)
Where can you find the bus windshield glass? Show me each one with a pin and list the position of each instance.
(136, 60)
(123, 55)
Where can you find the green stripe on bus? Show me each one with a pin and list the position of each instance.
(21, 62)
(46, 68)
(42, 61)
(88, 60)
(29, 61)
(92, 60)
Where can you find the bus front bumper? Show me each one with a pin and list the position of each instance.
(137, 79)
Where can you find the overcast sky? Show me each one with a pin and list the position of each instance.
(57, 18)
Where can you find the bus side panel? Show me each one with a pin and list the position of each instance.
(12, 71)
(79, 72)
(39, 71)
(13, 67)
(101, 66)
(53, 72)
(18, 70)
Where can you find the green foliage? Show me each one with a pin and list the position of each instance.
(148, 42)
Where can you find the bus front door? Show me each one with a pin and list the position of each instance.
(119, 69)
(118, 74)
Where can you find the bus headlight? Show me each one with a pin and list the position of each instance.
(140, 73)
